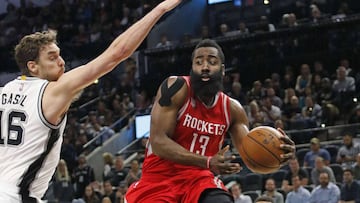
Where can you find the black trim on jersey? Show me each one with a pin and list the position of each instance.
(39, 103)
(30, 174)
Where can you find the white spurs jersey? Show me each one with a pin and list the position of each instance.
(29, 145)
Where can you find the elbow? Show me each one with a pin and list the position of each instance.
(156, 146)
(120, 52)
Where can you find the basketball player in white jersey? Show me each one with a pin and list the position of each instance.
(33, 106)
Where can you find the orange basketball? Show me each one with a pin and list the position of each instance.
(260, 150)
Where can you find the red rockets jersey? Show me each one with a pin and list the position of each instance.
(199, 129)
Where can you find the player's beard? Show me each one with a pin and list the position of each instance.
(206, 89)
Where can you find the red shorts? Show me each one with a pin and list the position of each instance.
(184, 187)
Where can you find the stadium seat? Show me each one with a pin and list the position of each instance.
(333, 150)
(253, 195)
(252, 182)
(300, 154)
(308, 187)
(338, 172)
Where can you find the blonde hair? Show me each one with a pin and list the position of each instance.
(60, 176)
(108, 158)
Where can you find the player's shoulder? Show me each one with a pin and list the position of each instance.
(235, 104)
(173, 90)
(174, 83)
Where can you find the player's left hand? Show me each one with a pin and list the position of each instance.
(288, 147)
(220, 163)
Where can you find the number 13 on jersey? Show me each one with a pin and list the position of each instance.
(199, 144)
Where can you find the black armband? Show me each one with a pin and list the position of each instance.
(168, 92)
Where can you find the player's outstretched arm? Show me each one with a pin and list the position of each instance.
(61, 92)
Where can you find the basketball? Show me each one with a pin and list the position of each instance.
(260, 150)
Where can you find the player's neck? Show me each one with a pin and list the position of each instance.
(208, 101)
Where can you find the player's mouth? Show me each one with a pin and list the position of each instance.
(205, 77)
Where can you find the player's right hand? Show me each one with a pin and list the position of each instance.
(168, 5)
(220, 164)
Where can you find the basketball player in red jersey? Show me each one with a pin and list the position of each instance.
(190, 118)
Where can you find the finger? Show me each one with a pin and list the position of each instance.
(223, 150)
(229, 158)
(281, 131)
(289, 148)
(287, 156)
(287, 140)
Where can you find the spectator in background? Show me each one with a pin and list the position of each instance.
(326, 98)
(255, 116)
(316, 151)
(121, 191)
(63, 188)
(319, 69)
(224, 30)
(270, 191)
(205, 33)
(118, 172)
(343, 83)
(294, 170)
(289, 93)
(108, 191)
(242, 29)
(312, 112)
(292, 113)
(83, 175)
(320, 168)
(350, 189)
(134, 173)
(108, 164)
(299, 194)
(164, 42)
(256, 92)
(344, 86)
(264, 25)
(316, 15)
(316, 85)
(304, 79)
(348, 151)
(280, 124)
(355, 115)
(289, 80)
(68, 153)
(271, 112)
(356, 168)
(236, 93)
(277, 101)
(238, 196)
(327, 191)
(348, 70)
(89, 196)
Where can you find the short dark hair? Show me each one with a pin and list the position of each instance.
(210, 43)
(264, 198)
(348, 170)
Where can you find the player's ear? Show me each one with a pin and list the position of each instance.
(31, 65)
(223, 69)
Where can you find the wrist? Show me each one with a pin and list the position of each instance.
(208, 162)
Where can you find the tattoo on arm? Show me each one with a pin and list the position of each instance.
(168, 92)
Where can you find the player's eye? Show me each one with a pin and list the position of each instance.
(198, 62)
(212, 62)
